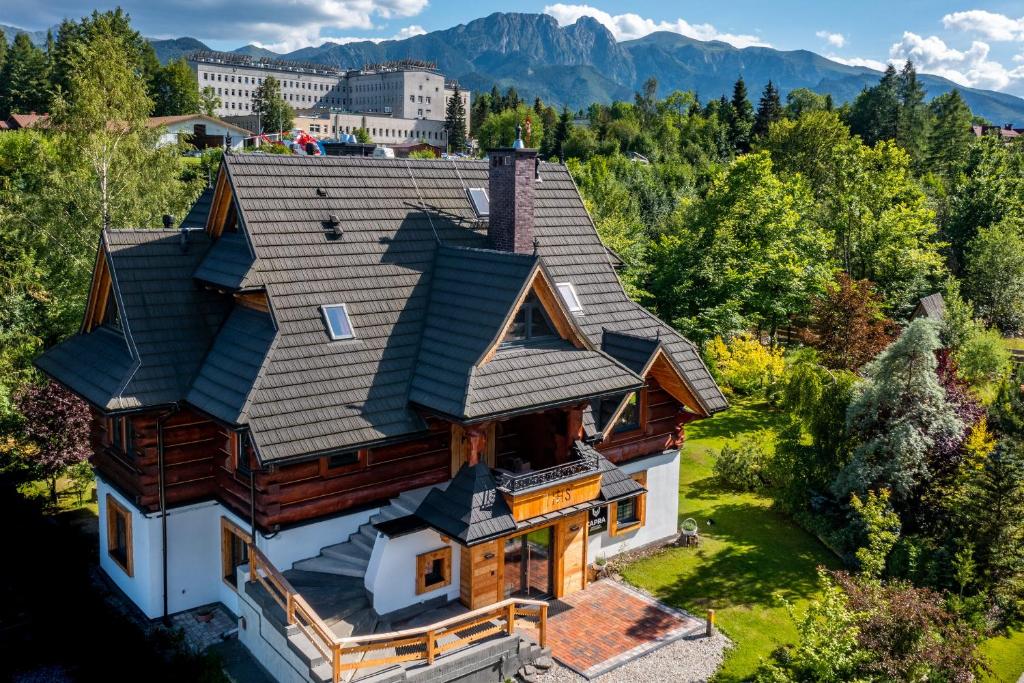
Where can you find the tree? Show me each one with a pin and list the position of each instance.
(881, 531)
(993, 512)
(274, 113)
(769, 110)
(950, 136)
(800, 101)
(23, 80)
(481, 109)
(741, 117)
(912, 122)
(743, 257)
(1007, 410)
(3, 50)
(850, 327)
(900, 419)
(562, 133)
(994, 277)
(176, 91)
(743, 364)
(363, 135)
(499, 130)
(455, 121)
(209, 101)
(57, 427)
(874, 115)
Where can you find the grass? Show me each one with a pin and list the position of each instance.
(750, 556)
(1005, 656)
(1014, 343)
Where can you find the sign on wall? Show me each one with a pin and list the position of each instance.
(598, 519)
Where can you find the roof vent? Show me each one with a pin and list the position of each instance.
(168, 221)
(321, 191)
(333, 227)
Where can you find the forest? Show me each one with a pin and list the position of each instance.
(791, 240)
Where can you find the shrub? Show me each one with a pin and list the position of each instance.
(745, 466)
(983, 359)
(743, 364)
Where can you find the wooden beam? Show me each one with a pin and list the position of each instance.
(222, 197)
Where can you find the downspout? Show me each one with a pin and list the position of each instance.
(162, 495)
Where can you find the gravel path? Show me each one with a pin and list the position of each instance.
(688, 660)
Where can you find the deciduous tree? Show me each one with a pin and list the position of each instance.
(994, 277)
(57, 427)
(176, 90)
(850, 325)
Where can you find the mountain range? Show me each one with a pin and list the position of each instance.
(582, 63)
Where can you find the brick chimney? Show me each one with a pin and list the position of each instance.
(513, 174)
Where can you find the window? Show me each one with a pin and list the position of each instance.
(338, 324)
(629, 418)
(568, 293)
(238, 454)
(234, 551)
(119, 534)
(111, 316)
(433, 570)
(531, 322)
(117, 433)
(481, 202)
(629, 514)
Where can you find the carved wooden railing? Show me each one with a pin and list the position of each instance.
(424, 643)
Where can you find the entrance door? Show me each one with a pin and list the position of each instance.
(529, 564)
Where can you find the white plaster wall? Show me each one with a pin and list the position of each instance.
(287, 547)
(391, 574)
(187, 128)
(662, 507)
(144, 586)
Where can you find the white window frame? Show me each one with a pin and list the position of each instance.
(330, 328)
(578, 307)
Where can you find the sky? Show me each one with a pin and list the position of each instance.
(977, 44)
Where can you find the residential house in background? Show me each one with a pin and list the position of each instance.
(371, 387)
(200, 131)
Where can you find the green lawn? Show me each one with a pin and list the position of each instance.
(1006, 657)
(749, 556)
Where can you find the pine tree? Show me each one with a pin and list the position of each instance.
(741, 118)
(769, 110)
(875, 113)
(481, 109)
(455, 121)
(912, 121)
(902, 420)
(176, 90)
(3, 50)
(562, 132)
(950, 135)
(511, 99)
(497, 103)
(23, 83)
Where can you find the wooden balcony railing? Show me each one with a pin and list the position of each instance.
(424, 643)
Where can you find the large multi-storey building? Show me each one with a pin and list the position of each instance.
(403, 90)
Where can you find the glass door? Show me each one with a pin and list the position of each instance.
(529, 563)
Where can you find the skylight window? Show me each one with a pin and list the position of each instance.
(481, 202)
(569, 296)
(338, 324)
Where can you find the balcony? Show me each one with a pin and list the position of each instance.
(585, 463)
(540, 492)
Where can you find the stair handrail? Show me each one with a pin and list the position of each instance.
(302, 615)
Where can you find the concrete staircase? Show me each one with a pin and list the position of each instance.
(351, 557)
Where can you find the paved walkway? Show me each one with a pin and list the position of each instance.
(609, 624)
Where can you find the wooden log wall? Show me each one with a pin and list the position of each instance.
(662, 428)
(199, 465)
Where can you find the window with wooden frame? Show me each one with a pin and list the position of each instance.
(119, 535)
(433, 570)
(630, 417)
(234, 551)
(629, 514)
(345, 462)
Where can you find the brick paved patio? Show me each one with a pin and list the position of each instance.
(609, 624)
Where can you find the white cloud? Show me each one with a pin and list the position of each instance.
(269, 23)
(629, 26)
(833, 39)
(971, 67)
(989, 24)
(859, 61)
(299, 39)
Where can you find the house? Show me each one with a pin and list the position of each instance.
(404, 383)
(30, 120)
(1005, 132)
(199, 130)
(932, 307)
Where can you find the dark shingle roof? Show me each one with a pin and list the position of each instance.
(470, 509)
(522, 377)
(197, 215)
(932, 307)
(632, 351)
(168, 324)
(471, 294)
(312, 395)
(230, 369)
(228, 262)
